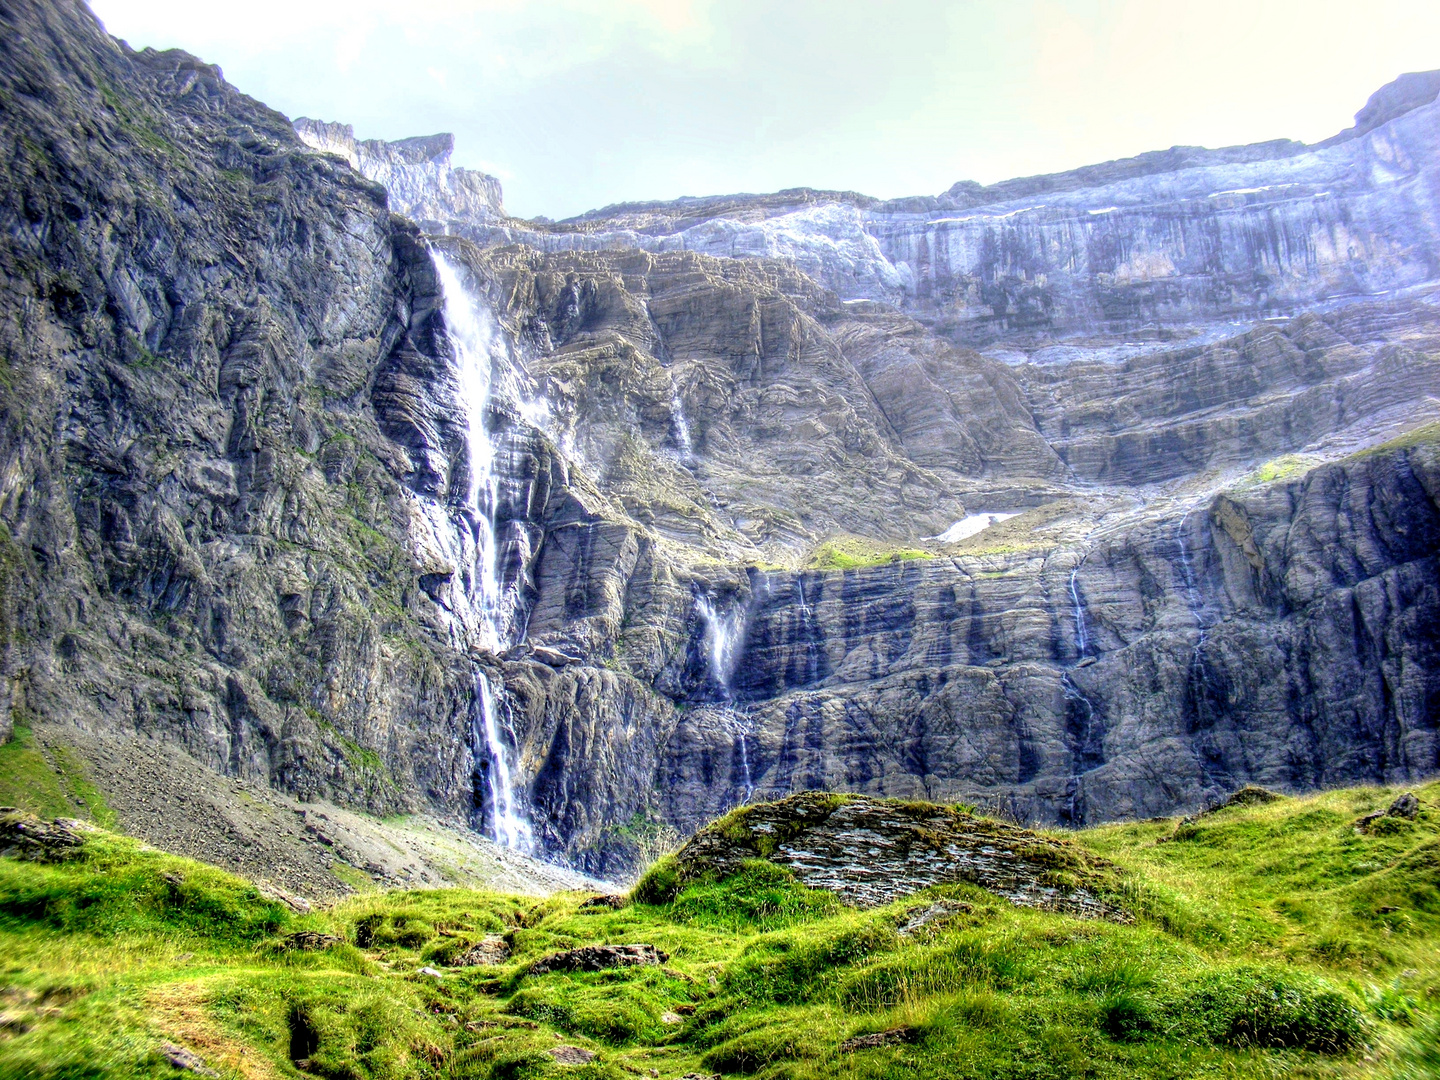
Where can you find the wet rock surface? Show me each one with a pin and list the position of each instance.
(870, 852)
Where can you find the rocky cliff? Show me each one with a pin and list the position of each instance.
(582, 533)
(1185, 238)
(417, 173)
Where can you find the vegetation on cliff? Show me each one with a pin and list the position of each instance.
(1293, 936)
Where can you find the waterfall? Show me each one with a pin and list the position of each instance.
(809, 630)
(745, 767)
(487, 620)
(723, 640)
(682, 429)
(1193, 600)
(1082, 637)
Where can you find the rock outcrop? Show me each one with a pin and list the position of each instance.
(872, 851)
(417, 173)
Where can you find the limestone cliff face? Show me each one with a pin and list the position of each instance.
(417, 174)
(237, 448)
(1185, 237)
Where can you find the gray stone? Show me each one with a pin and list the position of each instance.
(572, 1055)
(870, 852)
(599, 958)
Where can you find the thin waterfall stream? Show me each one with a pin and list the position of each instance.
(1195, 602)
(1082, 637)
(1075, 697)
(724, 640)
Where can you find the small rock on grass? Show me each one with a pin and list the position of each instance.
(598, 958)
(879, 1038)
(24, 835)
(310, 941)
(186, 1060)
(605, 901)
(572, 1055)
(1406, 806)
(491, 949)
(298, 904)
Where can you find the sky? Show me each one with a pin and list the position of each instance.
(577, 104)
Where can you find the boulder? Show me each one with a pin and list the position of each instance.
(872, 851)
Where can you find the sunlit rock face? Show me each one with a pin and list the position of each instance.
(1191, 398)
(1183, 238)
(422, 183)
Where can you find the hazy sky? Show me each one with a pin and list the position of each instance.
(577, 104)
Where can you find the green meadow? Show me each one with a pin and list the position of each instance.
(1268, 940)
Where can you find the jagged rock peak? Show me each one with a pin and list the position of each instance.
(418, 173)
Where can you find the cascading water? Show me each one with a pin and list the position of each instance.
(486, 618)
(1193, 600)
(724, 636)
(723, 640)
(682, 428)
(1080, 709)
(808, 631)
(1082, 636)
(1196, 604)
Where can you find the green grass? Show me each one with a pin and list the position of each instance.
(1426, 434)
(850, 553)
(49, 782)
(1282, 468)
(1269, 940)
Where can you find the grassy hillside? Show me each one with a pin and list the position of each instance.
(1268, 940)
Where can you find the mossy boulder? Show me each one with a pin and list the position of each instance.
(871, 851)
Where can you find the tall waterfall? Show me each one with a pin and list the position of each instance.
(682, 428)
(1193, 600)
(724, 636)
(487, 621)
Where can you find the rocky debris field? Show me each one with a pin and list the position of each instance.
(315, 850)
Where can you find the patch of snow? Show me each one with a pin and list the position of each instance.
(968, 526)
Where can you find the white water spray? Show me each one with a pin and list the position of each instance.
(724, 638)
(477, 347)
(682, 429)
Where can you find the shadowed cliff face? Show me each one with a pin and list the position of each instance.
(234, 429)
(207, 536)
